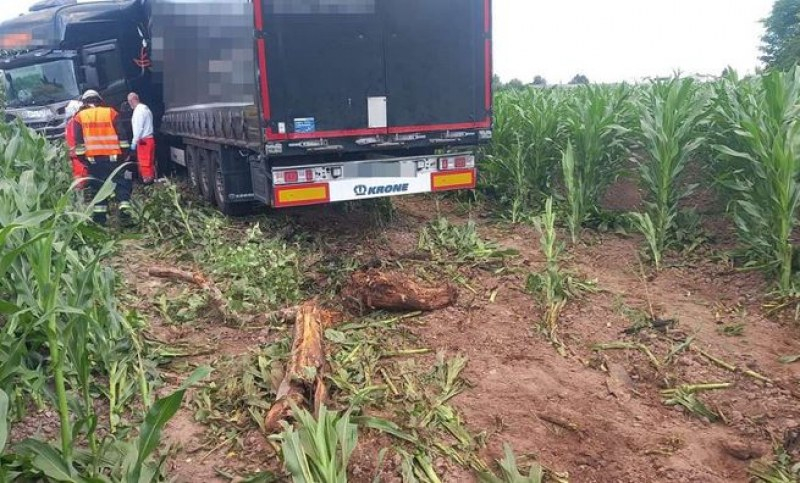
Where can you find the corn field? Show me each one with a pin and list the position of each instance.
(70, 345)
(64, 341)
(668, 136)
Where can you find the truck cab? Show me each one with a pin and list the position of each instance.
(49, 56)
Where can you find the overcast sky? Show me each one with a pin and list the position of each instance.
(612, 40)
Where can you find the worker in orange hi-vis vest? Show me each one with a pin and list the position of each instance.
(99, 146)
(79, 171)
(143, 143)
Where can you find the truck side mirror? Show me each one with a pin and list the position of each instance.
(91, 60)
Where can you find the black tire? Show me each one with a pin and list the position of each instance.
(193, 168)
(206, 175)
(224, 204)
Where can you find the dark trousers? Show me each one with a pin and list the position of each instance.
(102, 169)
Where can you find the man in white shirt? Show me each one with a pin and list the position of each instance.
(143, 143)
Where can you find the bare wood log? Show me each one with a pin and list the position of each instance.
(304, 378)
(216, 298)
(373, 289)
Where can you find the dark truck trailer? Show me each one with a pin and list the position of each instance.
(63, 47)
(297, 102)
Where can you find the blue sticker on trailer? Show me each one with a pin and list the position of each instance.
(305, 125)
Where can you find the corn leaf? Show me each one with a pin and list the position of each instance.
(3, 420)
(48, 460)
(159, 415)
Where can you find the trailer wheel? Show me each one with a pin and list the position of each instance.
(224, 204)
(193, 167)
(206, 175)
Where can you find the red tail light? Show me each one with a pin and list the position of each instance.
(448, 163)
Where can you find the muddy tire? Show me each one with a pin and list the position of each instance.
(206, 174)
(193, 168)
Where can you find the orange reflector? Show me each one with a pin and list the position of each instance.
(453, 180)
(15, 40)
(302, 195)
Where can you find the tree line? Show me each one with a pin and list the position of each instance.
(538, 81)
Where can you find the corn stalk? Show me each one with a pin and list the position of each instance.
(58, 305)
(597, 148)
(765, 190)
(555, 285)
(672, 114)
(522, 161)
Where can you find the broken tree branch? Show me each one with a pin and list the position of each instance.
(216, 298)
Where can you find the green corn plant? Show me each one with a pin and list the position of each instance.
(115, 461)
(42, 261)
(521, 164)
(672, 114)
(765, 188)
(686, 397)
(573, 183)
(57, 304)
(555, 286)
(597, 148)
(510, 472)
(3, 420)
(462, 243)
(647, 228)
(730, 95)
(418, 468)
(550, 284)
(782, 469)
(319, 450)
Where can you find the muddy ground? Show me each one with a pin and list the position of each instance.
(596, 415)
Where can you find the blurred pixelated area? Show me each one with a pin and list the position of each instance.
(298, 7)
(204, 50)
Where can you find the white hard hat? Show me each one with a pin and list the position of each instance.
(91, 94)
(72, 108)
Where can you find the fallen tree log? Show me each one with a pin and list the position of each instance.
(376, 290)
(215, 296)
(304, 380)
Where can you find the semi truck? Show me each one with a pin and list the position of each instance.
(283, 102)
(63, 47)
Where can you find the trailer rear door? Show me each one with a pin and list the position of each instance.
(324, 61)
(436, 63)
(344, 68)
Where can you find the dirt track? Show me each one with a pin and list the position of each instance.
(596, 415)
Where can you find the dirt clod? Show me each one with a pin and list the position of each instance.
(743, 451)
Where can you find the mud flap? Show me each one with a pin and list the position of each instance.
(260, 176)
